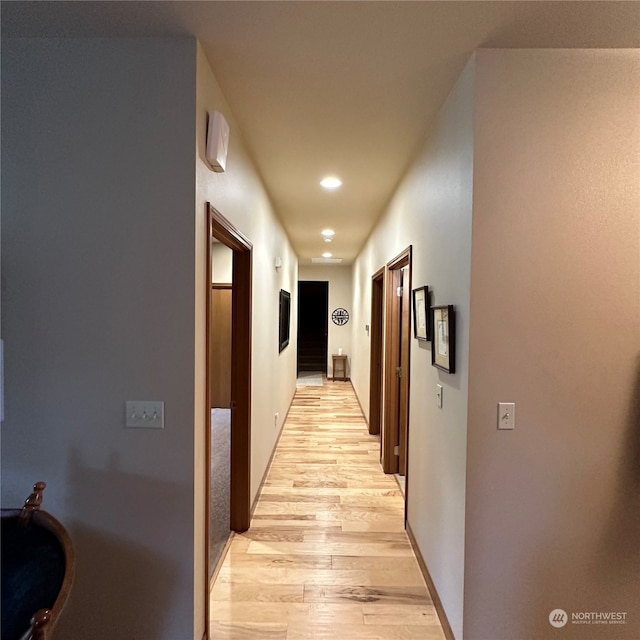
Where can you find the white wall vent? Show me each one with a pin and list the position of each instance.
(217, 141)
(326, 260)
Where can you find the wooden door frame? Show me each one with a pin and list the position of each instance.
(393, 344)
(376, 361)
(240, 508)
(405, 343)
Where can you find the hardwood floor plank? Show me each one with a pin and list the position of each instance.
(332, 548)
(228, 592)
(314, 576)
(413, 619)
(367, 594)
(382, 525)
(275, 524)
(400, 610)
(357, 537)
(380, 563)
(248, 612)
(291, 612)
(324, 613)
(248, 630)
(363, 632)
(330, 491)
(326, 555)
(278, 561)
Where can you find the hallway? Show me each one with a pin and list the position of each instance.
(326, 555)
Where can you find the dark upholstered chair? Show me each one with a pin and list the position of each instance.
(38, 566)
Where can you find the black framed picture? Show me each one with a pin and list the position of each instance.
(340, 316)
(285, 319)
(443, 348)
(421, 324)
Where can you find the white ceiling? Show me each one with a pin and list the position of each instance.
(344, 88)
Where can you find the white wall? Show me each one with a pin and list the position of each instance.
(97, 289)
(238, 194)
(221, 263)
(104, 279)
(553, 509)
(431, 210)
(340, 295)
(547, 142)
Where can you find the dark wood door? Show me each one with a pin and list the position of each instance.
(313, 329)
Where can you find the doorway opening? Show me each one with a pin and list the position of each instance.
(220, 328)
(228, 374)
(395, 437)
(313, 326)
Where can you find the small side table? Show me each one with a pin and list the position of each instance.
(339, 367)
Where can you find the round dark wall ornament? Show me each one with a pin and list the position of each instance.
(340, 316)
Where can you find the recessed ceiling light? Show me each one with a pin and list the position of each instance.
(328, 233)
(326, 254)
(330, 182)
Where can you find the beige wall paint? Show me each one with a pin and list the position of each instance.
(98, 307)
(340, 295)
(432, 211)
(239, 195)
(553, 512)
(97, 290)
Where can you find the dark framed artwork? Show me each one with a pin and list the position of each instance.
(285, 319)
(340, 316)
(443, 348)
(421, 324)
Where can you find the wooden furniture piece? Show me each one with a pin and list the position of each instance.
(38, 567)
(339, 367)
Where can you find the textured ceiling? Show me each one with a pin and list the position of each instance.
(346, 88)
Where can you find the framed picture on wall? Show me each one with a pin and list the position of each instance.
(285, 316)
(443, 349)
(421, 324)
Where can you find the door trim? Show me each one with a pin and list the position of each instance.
(390, 437)
(240, 484)
(376, 361)
(221, 229)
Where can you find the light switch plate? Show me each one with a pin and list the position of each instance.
(145, 414)
(506, 415)
(439, 395)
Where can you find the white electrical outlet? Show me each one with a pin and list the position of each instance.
(506, 415)
(145, 414)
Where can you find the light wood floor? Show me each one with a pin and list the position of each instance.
(326, 555)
